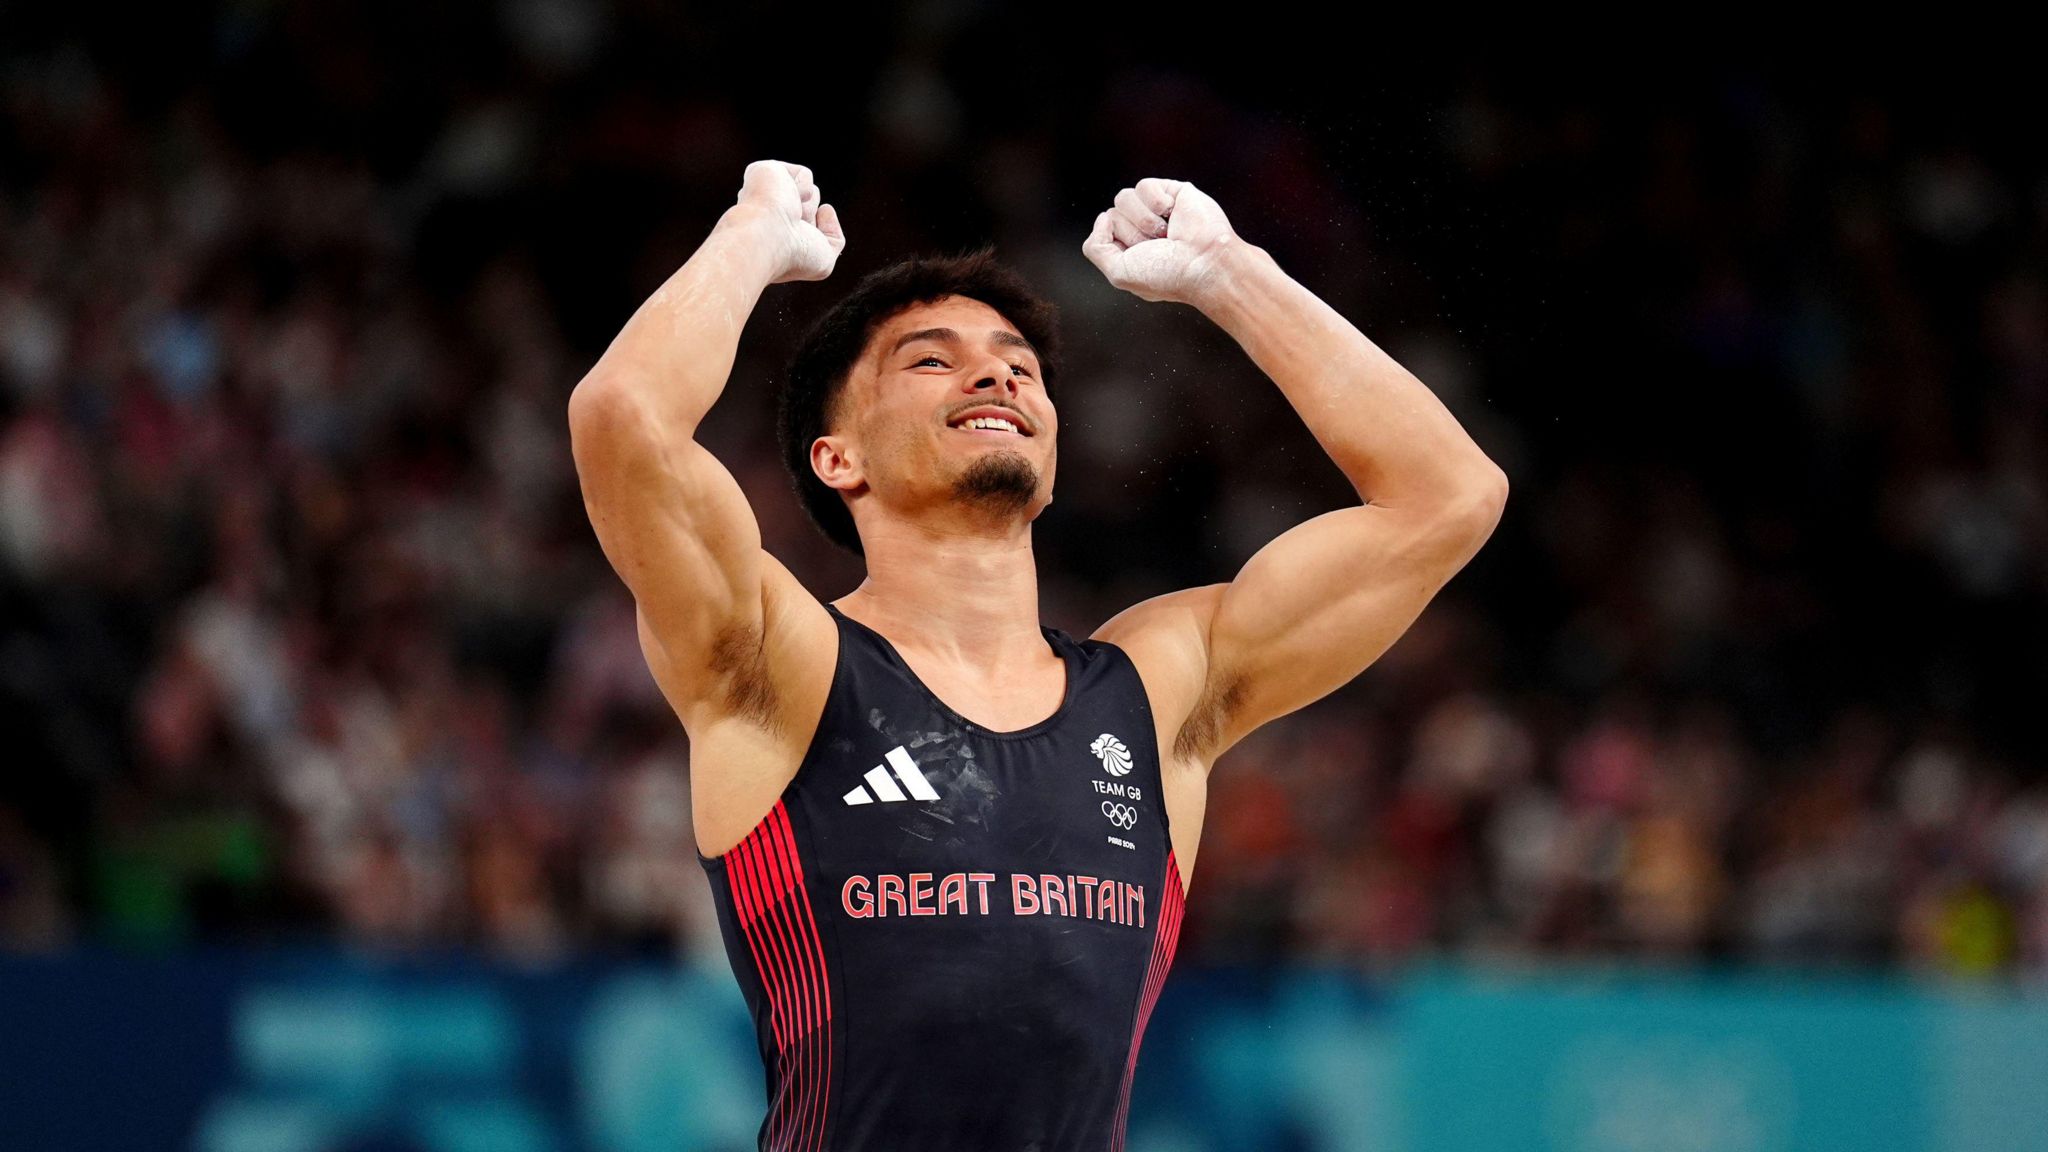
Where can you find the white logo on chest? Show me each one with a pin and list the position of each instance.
(886, 789)
(1116, 759)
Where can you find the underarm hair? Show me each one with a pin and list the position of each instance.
(1221, 698)
(739, 657)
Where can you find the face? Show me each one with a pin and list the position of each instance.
(917, 427)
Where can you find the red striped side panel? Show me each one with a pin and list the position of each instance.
(1165, 936)
(766, 875)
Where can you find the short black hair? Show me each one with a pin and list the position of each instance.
(825, 357)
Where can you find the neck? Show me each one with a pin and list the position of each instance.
(957, 594)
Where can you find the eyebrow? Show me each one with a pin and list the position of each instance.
(998, 338)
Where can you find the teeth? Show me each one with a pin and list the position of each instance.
(994, 422)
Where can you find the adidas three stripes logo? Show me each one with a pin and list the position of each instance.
(886, 789)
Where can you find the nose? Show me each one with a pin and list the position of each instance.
(997, 379)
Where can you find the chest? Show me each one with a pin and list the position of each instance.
(939, 798)
(1020, 698)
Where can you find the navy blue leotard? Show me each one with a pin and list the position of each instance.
(951, 938)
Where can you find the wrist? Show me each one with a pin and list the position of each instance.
(754, 238)
(1227, 282)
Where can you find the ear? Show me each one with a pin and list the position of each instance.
(832, 458)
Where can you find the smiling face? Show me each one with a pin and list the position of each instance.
(945, 411)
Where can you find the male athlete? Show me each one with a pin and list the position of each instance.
(949, 844)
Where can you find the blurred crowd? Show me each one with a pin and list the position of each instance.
(304, 635)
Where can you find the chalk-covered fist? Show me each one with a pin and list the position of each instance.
(1163, 240)
(790, 210)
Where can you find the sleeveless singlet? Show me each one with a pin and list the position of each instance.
(951, 938)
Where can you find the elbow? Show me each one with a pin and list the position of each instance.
(596, 399)
(1494, 491)
(603, 402)
(1478, 509)
(603, 415)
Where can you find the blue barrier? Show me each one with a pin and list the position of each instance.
(324, 1051)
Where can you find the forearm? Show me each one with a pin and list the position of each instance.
(674, 356)
(1388, 433)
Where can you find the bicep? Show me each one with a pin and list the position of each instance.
(676, 527)
(1317, 605)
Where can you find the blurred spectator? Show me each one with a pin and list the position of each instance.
(305, 631)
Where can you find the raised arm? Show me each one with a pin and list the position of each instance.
(671, 519)
(1315, 606)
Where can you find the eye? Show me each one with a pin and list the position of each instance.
(1021, 368)
(929, 359)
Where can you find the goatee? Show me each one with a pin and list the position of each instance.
(1000, 482)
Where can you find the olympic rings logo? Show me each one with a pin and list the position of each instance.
(1121, 815)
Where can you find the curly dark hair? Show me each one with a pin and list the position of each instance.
(823, 359)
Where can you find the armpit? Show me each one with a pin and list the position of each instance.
(1202, 731)
(739, 663)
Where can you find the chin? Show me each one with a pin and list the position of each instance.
(1000, 478)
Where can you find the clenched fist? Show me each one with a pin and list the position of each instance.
(783, 202)
(1163, 240)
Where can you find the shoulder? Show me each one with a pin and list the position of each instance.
(1167, 640)
(1174, 619)
(771, 673)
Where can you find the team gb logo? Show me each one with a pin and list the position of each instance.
(1116, 759)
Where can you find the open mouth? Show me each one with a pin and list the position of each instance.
(991, 424)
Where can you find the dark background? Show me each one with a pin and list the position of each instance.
(303, 633)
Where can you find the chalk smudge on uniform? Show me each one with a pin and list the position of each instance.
(954, 737)
(972, 795)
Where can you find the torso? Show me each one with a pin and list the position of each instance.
(744, 769)
(951, 934)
